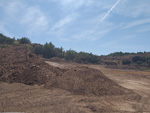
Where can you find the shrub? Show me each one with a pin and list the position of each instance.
(138, 58)
(38, 49)
(24, 40)
(126, 62)
(59, 52)
(6, 40)
(49, 50)
(70, 55)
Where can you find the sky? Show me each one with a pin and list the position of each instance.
(95, 26)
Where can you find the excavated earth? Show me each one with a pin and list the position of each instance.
(86, 81)
(29, 84)
(20, 65)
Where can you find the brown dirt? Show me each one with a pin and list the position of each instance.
(86, 81)
(71, 88)
(17, 97)
(18, 64)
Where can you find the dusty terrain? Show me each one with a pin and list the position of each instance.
(137, 81)
(68, 87)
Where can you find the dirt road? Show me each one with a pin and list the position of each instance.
(17, 97)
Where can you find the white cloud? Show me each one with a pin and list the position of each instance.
(137, 22)
(71, 5)
(134, 8)
(63, 22)
(13, 9)
(29, 18)
(35, 20)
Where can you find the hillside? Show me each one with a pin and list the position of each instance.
(138, 61)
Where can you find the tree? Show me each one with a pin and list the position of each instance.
(38, 49)
(59, 52)
(87, 58)
(24, 40)
(70, 55)
(49, 50)
(6, 40)
(120, 54)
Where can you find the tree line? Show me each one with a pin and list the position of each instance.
(125, 53)
(48, 50)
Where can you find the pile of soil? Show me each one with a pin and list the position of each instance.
(86, 81)
(18, 64)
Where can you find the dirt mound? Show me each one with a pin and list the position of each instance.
(86, 81)
(18, 64)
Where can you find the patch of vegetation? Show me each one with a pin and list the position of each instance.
(37, 49)
(121, 54)
(136, 59)
(24, 40)
(126, 62)
(139, 59)
(6, 40)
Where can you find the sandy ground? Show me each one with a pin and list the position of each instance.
(17, 97)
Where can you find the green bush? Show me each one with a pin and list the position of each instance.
(49, 50)
(24, 40)
(59, 52)
(70, 55)
(84, 57)
(38, 49)
(136, 59)
(6, 40)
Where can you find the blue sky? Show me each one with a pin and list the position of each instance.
(97, 26)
